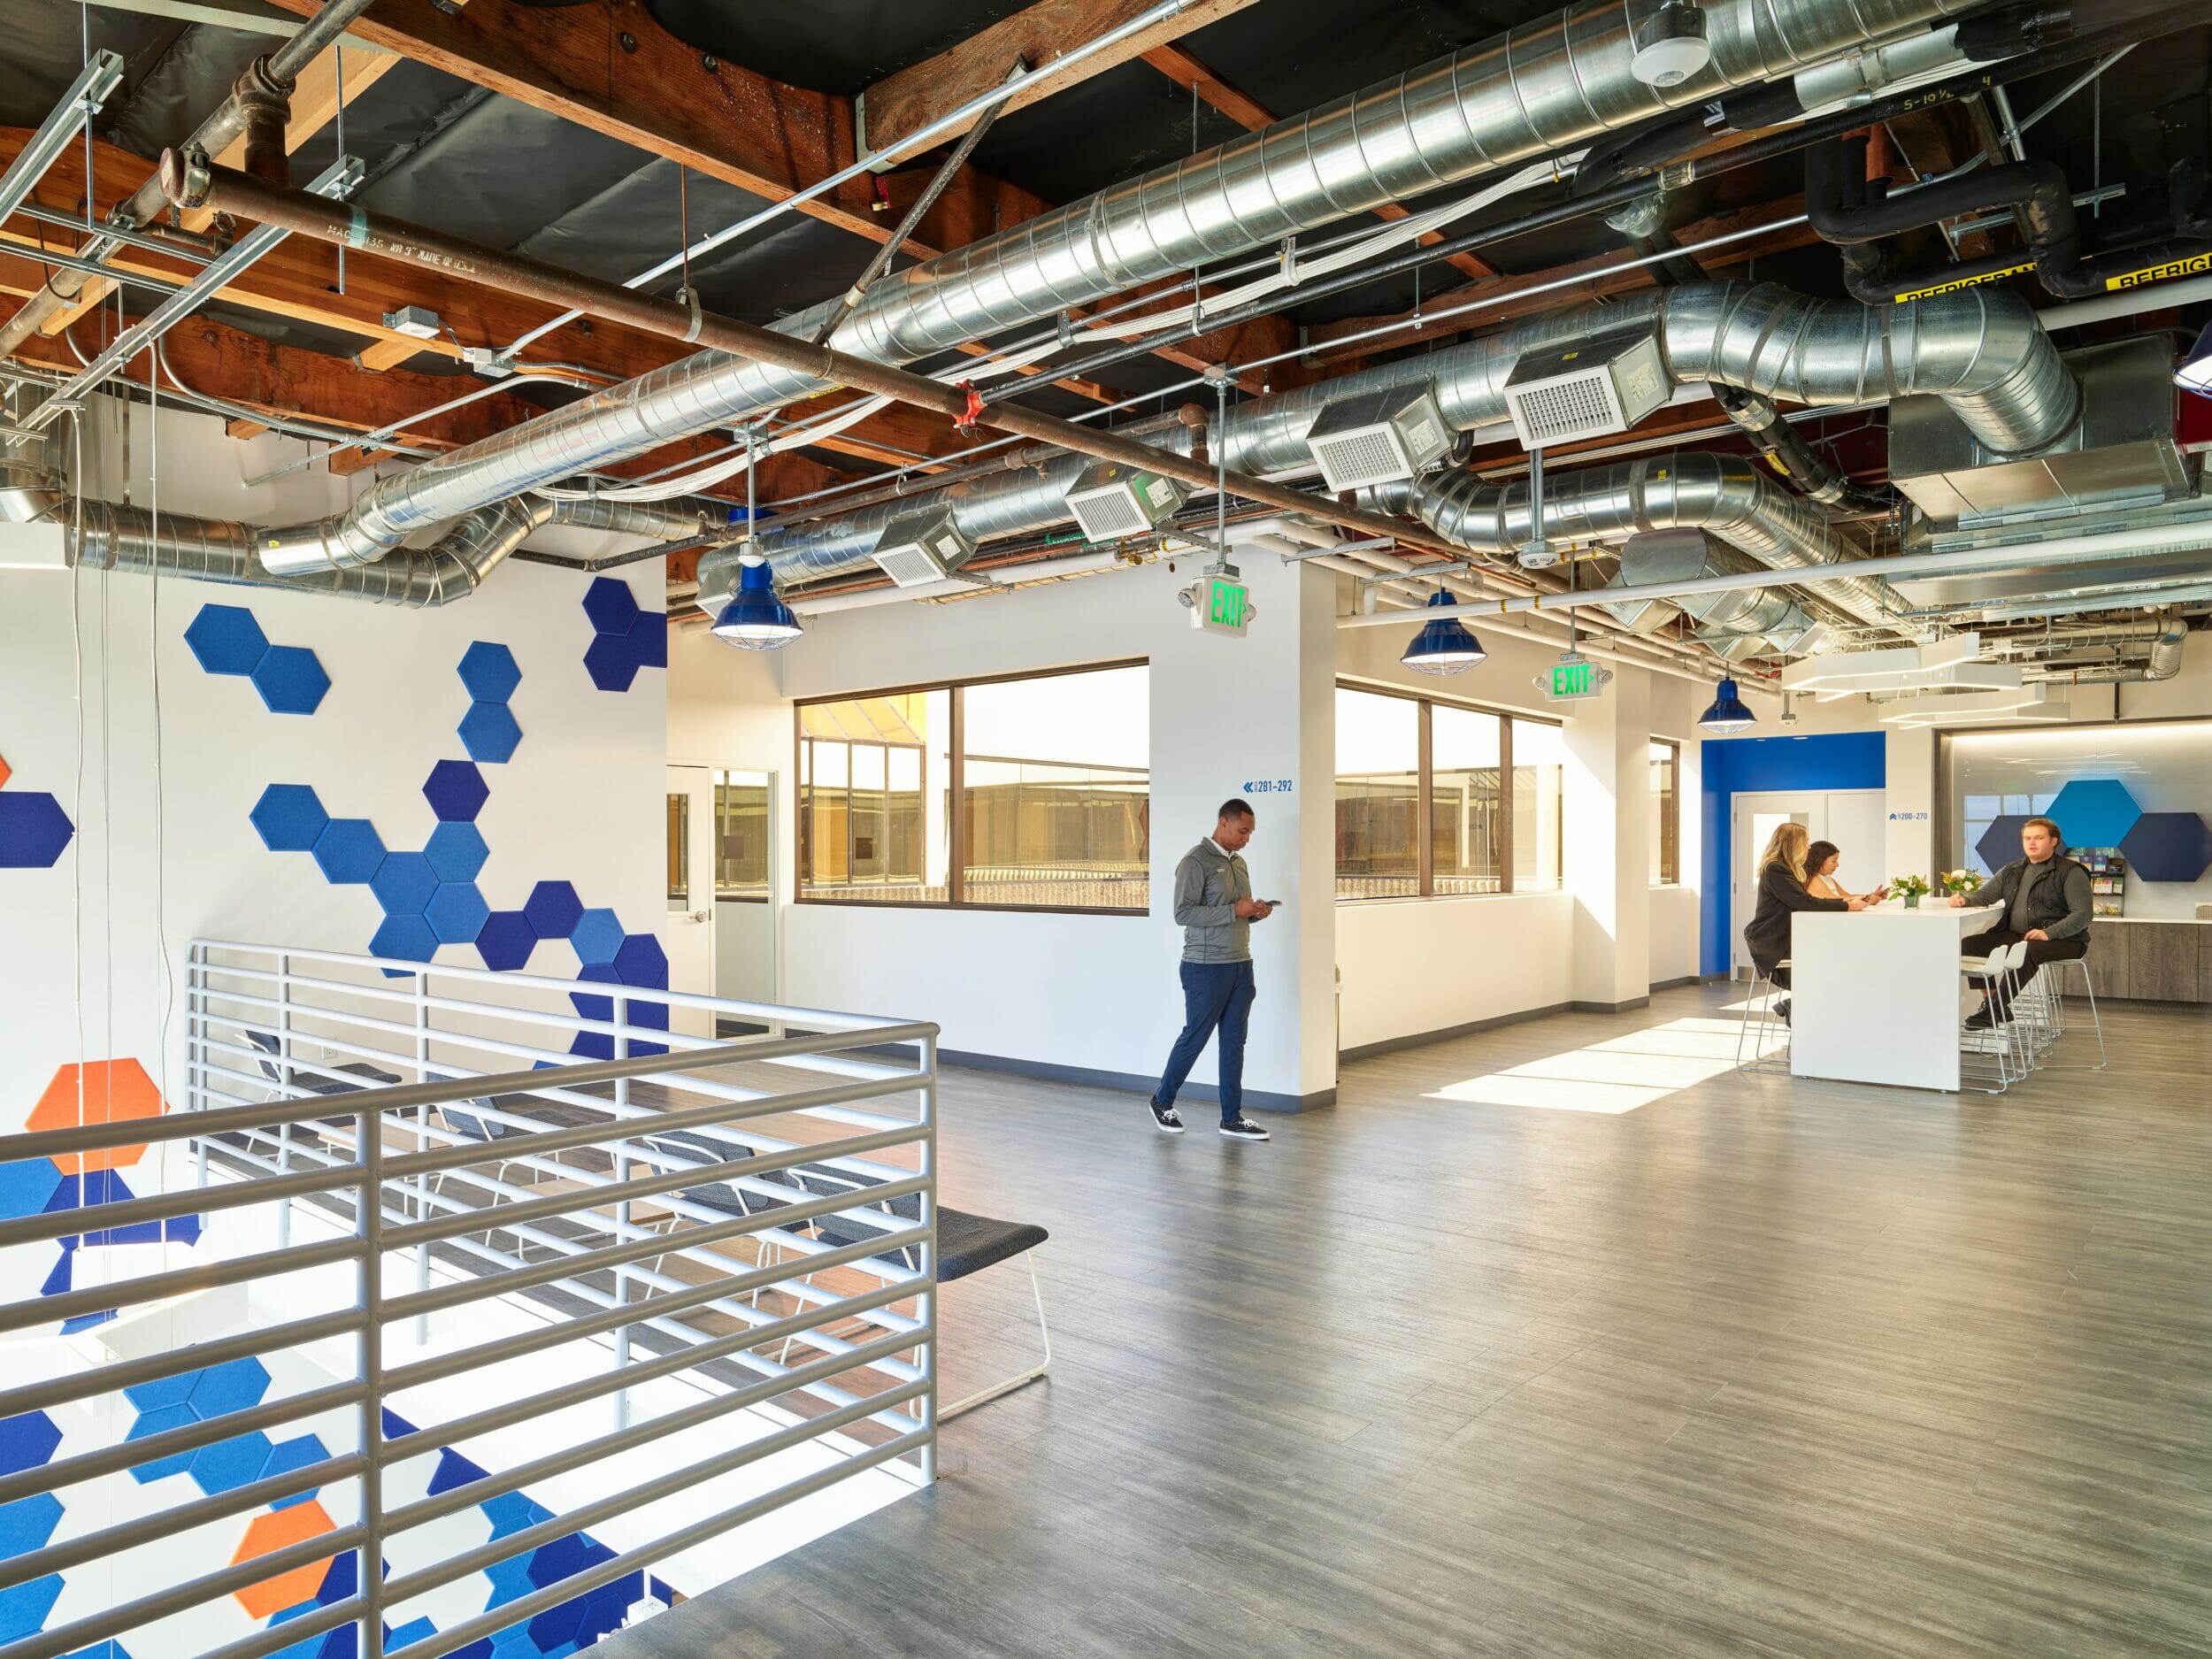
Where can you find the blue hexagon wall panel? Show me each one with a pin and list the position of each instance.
(625, 638)
(290, 680)
(23, 1609)
(404, 883)
(34, 830)
(597, 936)
(2094, 812)
(289, 817)
(554, 910)
(641, 962)
(2000, 843)
(27, 1523)
(227, 640)
(26, 1441)
(457, 912)
(489, 731)
(404, 938)
(489, 671)
(2168, 847)
(506, 940)
(349, 850)
(457, 852)
(456, 790)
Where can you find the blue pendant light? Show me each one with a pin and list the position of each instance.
(1443, 645)
(756, 620)
(1728, 715)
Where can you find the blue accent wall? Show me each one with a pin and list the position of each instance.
(1835, 760)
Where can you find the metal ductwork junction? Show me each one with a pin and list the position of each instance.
(1980, 357)
(1550, 83)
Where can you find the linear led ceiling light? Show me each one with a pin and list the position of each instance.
(2040, 703)
(1593, 388)
(1444, 645)
(1111, 501)
(1900, 668)
(1729, 714)
(1378, 437)
(922, 548)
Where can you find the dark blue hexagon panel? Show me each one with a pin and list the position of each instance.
(456, 790)
(2094, 812)
(2000, 843)
(505, 942)
(228, 639)
(34, 830)
(554, 910)
(2168, 847)
(625, 638)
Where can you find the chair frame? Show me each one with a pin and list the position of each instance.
(1020, 1379)
(1759, 1015)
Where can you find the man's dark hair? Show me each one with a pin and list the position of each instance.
(1236, 806)
(2049, 826)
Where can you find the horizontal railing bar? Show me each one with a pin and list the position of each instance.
(129, 1535)
(638, 1371)
(587, 1515)
(190, 1126)
(683, 1243)
(179, 1282)
(445, 1366)
(166, 1206)
(276, 1638)
(484, 976)
(188, 1437)
(112, 1378)
(419, 1302)
(498, 1481)
(645, 1186)
(96, 1627)
(458, 1636)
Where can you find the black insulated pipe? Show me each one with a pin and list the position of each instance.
(1855, 213)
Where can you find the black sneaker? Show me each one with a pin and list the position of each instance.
(1782, 1011)
(1983, 1018)
(1243, 1129)
(1164, 1117)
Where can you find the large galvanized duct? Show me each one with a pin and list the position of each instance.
(118, 537)
(1550, 83)
(1724, 496)
(1981, 352)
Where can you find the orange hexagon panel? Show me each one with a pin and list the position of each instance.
(115, 1091)
(281, 1529)
(4, 771)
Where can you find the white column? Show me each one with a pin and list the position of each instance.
(1608, 808)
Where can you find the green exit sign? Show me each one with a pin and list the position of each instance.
(1572, 678)
(1221, 606)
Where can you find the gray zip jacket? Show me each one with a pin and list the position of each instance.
(1208, 883)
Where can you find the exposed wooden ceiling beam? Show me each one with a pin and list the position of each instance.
(903, 103)
(1249, 113)
(298, 280)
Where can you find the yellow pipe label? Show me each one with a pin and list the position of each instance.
(2191, 266)
(1967, 282)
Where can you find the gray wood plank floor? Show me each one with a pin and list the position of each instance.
(1759, 1367)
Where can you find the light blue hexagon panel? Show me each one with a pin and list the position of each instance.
(2094, 812)
(490, 672)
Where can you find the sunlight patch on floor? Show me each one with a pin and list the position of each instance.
(1612, 1077)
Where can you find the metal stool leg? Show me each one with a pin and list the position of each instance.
(2089, 990)
(1760, 1019)
(1019, 1380)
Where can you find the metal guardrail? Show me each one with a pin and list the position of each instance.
(799, 1221)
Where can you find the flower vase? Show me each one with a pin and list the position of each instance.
(1912, 901)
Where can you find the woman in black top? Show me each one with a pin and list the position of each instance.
(1781, 895)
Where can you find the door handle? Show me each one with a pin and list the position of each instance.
(698, 916)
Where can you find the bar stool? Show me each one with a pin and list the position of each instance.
(1760, 1023)
(2056, 998)
(2006, 1045)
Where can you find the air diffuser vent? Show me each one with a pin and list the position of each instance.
(922, 548)
(1377, 437)
(1110, 501)
(1586, 390)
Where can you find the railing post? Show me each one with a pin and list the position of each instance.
(196, 1047)
(369, 1225)
(422, 1142)
(622, 1208)
(284, 1081)
(927, 1303)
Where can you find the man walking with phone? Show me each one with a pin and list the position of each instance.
(1214, 903)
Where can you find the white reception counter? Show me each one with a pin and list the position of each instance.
(1875, 996)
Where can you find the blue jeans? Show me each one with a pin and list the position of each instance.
(1217, 995)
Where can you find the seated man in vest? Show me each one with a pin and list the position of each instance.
(2045, 896)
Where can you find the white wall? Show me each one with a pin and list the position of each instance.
(1415, 966)
(163, 850)
(1096, 993)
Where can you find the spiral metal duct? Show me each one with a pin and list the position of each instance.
(1551, 82)
(1981, 352)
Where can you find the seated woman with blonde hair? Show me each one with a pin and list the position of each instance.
(1821, 860)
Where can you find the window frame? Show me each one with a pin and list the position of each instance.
(956, 832)
(1425, 845)
(1670, 819)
